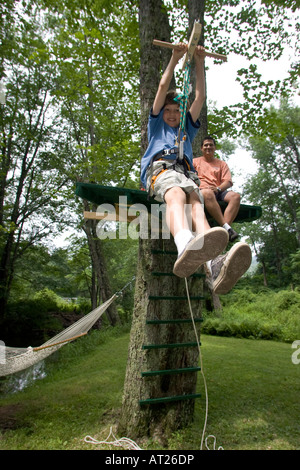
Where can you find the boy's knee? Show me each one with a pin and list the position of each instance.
(175, 194)
(236, 197)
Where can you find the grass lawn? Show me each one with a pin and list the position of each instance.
(253, 392)
(253, 395)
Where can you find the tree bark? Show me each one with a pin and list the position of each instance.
(160, 420)
(154, 24)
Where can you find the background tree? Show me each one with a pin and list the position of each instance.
(93, 85)
(275, 187)
(31, 171)
(256, 31)
(80, 66)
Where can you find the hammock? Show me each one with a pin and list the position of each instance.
(16, 359)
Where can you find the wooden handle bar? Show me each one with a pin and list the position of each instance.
(59, 342)
(169, 45)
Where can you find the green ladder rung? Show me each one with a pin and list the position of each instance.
(178, 320)
(171, 297)
(154, 401)
(172, 345)
(195, 275)
(151, 373)
(156, 273)
(164, 252)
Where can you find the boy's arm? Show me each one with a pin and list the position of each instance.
(166, 78)
(200, 92)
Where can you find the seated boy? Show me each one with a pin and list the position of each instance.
(215, 178)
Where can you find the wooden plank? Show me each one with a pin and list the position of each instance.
(169, 45)
(193, 42)
(109, 216)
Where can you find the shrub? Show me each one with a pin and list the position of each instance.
(47, 301)
(265, 314)
(28, 321)
(285, 299)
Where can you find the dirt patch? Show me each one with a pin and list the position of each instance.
(9, 419)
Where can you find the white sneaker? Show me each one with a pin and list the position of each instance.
(202, 248)
(227, 269)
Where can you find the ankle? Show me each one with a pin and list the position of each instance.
(182, 238)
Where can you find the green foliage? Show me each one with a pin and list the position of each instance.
(262, 32)
(66, 271)
(275, 187)
(293, 4)
(71, 113)
(123, 256)
(248, 328)
(96, 90)
(263, 314)
(31, 320)
(47, 301)
(295, 267)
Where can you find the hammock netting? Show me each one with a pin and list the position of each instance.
(13, 360)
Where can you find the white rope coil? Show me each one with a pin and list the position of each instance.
(124, 442)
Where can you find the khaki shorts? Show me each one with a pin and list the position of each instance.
(165, 175)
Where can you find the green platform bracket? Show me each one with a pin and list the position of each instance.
(173, 321)
(186, 370)
(154, 401)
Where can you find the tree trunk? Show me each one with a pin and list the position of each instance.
(101, 289)
(264, 273)
(212, 300)
(261, 261)
(154, 24)
(159, 420)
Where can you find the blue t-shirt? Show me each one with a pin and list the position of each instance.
(161, 136)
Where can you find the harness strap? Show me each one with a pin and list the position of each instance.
(153, 179)
(184, 163)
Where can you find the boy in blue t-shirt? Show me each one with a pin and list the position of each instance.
(173, 180)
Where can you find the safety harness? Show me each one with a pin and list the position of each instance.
(169, 164)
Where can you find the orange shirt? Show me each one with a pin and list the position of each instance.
(212, 173)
